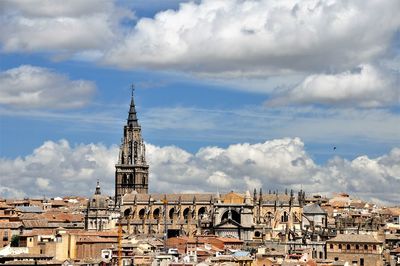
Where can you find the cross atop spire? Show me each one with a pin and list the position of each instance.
(132, 89)
(132, 118)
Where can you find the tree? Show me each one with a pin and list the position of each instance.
(15, 241)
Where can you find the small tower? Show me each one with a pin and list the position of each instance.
(131, 171)
(98, 189)
(98, 216)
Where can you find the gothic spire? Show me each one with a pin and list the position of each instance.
(132, 118)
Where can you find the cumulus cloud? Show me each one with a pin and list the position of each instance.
(74, 26)
(264, 46)
(219, 179)
(274, 164)
(43, 183)
(365, 86)
(56, 168)
(252, 38)
(36, 87)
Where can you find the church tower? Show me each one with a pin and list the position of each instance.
(131, 171)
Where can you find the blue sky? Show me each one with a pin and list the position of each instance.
(206, 74)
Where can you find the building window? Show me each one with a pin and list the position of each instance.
(284, 217)
(171, 213)
(361, 261)
(340, 246)
(357, 247)
(156, 214)
(141, 214)
(366, 247)
(374, 247)
(348, 246)
(331, 246)
(135, 149)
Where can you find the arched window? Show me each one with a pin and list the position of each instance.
(171, 213)
(357, 247)
(156, 214)
(124, 179)
(135, 149)
(141, 214)
(348, 246)
(234, 214)
(340, 246)
(186, 214)
(284, 217)
(144, 180)
(127, 212)
(201, 212)
(130, 152)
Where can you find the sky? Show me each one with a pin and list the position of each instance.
(231, 95)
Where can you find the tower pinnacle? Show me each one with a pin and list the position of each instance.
(132, 117)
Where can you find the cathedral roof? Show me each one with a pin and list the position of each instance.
(205, 197)
(198, 197)
(313, 209)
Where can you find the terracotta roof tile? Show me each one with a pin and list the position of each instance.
(353, 238)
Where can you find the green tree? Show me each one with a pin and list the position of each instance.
(15, 241)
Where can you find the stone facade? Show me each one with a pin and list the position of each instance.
(356, 249)
(260, 217)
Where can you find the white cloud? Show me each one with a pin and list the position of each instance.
(56, 168)
(252, 38)
(252, 183)
(263, 46)
(36, 87)
(43, 183)
(275, 164)
(11, 193)
(48, 26)
(219, 179)
(365, 87)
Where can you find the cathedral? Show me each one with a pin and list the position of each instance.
(253, 216)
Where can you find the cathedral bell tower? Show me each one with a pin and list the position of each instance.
(131, 171)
